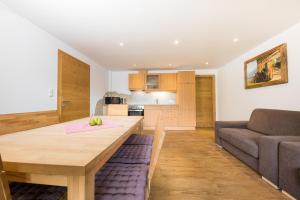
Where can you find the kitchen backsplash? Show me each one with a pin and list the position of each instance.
(143, 98)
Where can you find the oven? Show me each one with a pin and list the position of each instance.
(135, 110)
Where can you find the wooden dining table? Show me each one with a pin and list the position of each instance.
(51, 156)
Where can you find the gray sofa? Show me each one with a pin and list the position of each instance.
(289, 168)
(256, 142)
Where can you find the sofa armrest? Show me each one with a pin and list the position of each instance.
(227, 124)
(268, 155)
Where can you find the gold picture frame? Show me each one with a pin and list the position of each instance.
(268, 68)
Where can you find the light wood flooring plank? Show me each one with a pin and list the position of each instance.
(192, 167)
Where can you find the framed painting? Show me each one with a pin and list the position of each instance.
(269, 68)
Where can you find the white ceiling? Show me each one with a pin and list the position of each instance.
(204, 28)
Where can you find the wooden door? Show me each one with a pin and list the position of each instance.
(205, 101)
(73, 88)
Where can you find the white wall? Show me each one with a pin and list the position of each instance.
(237, 103)
(118, 81)
(28, 66)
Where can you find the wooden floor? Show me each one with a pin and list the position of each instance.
(192, 167)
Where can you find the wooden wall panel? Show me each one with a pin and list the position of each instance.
(10, 123)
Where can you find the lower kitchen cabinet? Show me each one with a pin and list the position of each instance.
(115, 110)
(173, 119)
(151, 114)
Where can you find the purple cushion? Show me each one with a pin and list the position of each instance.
(132, 154)
(117, 181)
(137, 139)
(26, 191)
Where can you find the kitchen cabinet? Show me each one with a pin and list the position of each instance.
(152, 82)
(181, 116)
(137, 81)
(186, 99)
(115, 110)
(169, 115)
(186, 77)
(168, 82)
(151, 114)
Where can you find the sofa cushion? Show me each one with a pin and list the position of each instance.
(289, 165)
(244, 139)
(275, 122)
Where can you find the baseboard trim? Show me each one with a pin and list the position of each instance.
(288, 195)
(270, 183)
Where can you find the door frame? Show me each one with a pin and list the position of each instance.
(59, 81)
(213, 95)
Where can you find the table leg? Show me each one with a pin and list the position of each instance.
(81, 187)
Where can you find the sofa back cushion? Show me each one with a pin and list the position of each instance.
(275, 122)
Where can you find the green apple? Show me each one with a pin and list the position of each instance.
(95, 121)
(92, 122)
(99, 122)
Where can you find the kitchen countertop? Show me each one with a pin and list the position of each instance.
(153, 104)
(161, 105)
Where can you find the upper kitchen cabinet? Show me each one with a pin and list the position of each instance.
(168, 82)
(152, 82)
(137, 81)
(186, 77)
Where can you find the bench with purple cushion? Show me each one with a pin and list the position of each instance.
(132, 154)
(127, 175)
(26, 191)
(138, 139)
(116, 181)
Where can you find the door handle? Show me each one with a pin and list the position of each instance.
(65, 102)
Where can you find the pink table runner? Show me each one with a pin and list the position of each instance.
(76, 127)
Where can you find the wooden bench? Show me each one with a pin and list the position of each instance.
(127, 175)
(28, 191)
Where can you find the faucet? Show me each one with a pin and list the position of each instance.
(156, 100)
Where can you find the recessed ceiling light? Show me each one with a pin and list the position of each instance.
(235, 40)
(121, 44)
(176, 42)
(206, 63)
